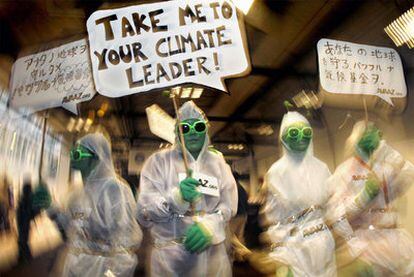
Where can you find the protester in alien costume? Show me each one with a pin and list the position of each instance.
(187, 224)
(100, 223)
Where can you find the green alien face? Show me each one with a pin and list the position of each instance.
(194, 131)
(297, 137)
(370, 140)
(82, 159)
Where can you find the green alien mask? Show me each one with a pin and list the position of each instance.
(194, 131)
(297, 137)
(370, 140)
(82, 159)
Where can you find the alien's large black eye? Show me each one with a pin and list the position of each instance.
(200, 127)
(185, 127)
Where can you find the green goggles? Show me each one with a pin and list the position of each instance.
(78, 154)
(296, 133)
(198, 126)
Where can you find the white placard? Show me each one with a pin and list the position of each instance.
(144, 47)
(208, 184)
(57, 77)
(161, 123)
(350, 68)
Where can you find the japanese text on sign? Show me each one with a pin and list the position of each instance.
(57, 77)
(150, 46)
(351, 68)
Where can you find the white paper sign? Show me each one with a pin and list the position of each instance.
(57, 77)
(208, 184)
(161, 123)
(350, 68)
(140, 48)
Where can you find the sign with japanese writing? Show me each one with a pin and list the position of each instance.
(57, 77)
(350, 68)
(208, 184)
(140, 48)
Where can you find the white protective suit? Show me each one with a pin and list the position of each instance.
(297, 194)
(102, 231)
(389, 248)
(161, 208)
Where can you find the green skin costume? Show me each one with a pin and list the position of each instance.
(83, 159)
(365, 147)
(297, 141)
(197, 237)
(41, 198)
(369, 141)
(296, 138)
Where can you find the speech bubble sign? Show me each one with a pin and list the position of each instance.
(140, 48)
(57, 77)
(350, 68)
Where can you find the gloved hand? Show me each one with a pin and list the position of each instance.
(372, 186)
(197, 238)
(188, 189)
(370, 191)
(41, 198)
